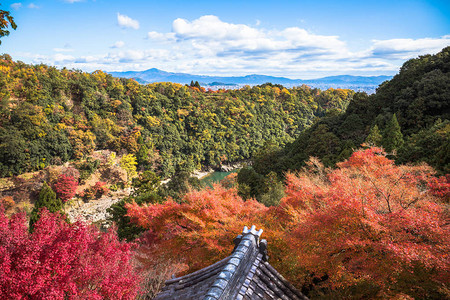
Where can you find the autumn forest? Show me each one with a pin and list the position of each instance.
(352, 190)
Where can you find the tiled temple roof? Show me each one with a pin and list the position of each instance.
(245, 274)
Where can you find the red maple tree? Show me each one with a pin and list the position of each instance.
(63, 261)
(65, 187)
(440, 187)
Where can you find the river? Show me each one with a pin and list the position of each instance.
(215, 177)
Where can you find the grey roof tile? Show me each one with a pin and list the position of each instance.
(245, 274)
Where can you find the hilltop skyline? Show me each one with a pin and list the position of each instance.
(294, 39)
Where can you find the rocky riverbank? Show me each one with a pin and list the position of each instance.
(222, 168)
(199, 174)
(233, 166)
(94, 211)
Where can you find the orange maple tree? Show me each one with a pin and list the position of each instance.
(367, 222)
(200, 229)
(367, 229)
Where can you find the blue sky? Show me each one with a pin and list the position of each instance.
(296, 39)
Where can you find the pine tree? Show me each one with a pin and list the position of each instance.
(374, 138)
(142, 156)
(47, 198)
(392, 137)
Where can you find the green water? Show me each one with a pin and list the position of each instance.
(215, 177)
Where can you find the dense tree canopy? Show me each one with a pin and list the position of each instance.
(63, 261)
(50, 116)
(368, 229)
(409, 114)
(340, 223)
(202, 226)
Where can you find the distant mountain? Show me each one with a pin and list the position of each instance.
(349, 79)
(343, 81)
(418, 96)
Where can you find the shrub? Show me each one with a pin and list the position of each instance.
(96, 191)
(440, 187)
(7, 202)
(100, 189)
(71, 171)
(87, 167)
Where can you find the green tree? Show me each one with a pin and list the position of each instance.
(128, 163)
(392, 137)
(195, 84)
(251, 183)
(430, 145)
(147, 182)
(180, 183)
(275, 190)
(374, 138)
(47, 198)
(142, 156)
(6, 20)
(264, 158)
(145, 191)
(323, 143)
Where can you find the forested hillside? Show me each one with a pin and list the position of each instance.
(101, 192)
(409, 116)
(49, 116)
(366, 228)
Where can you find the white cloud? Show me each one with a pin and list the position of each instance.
(72, 1)
(63, 58)
(210, 46)
(210, 35)
(211, 27)
(16, 6)
(32, 6)
(137, 56)
(408, 48)
(63, 49)
(180, 59)
(127, 22)
(118, 44)
(157, 36)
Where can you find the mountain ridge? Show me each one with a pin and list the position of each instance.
(157, 75)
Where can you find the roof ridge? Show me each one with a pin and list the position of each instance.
(245, 243)
(245, 274)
